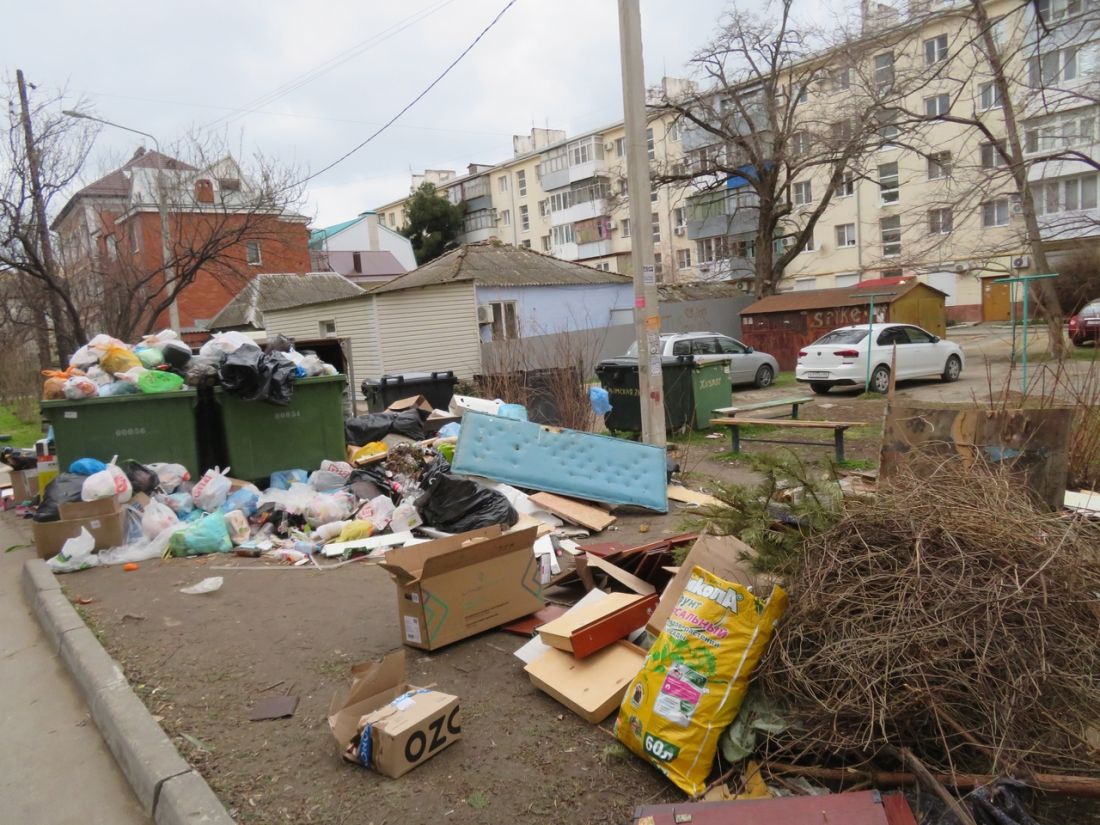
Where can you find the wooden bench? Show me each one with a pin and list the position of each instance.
(731, 412)
(838, 428)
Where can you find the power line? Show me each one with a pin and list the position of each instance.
(414, 101)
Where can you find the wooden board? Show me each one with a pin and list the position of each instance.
(686, 496)
(585, 631)
(800, 424)
(576, 512)
(621, 576)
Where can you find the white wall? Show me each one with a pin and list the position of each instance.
(357, 238)
(429, 329)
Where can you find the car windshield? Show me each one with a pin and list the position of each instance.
(1092, 309)
(632, 352)
(842, 336)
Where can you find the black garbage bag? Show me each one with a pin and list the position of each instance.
(176, 354)
(279, 343)
(202, 371)
(253, 375)
(364, 429)
(19, 459)
(142, 479)
(456, 505)
(64, 488)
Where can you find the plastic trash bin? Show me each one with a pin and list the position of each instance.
(261, 438)
(710, 389)
(437, 387)
(619, 376)
(145, 428)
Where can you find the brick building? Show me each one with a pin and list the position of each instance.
(222, 232)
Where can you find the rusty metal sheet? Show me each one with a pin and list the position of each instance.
(859, 808)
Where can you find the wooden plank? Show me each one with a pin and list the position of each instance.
(1085, 501)
(682, 494)
(783, 422)
(623, 577)
(765, 405)
(585, 515)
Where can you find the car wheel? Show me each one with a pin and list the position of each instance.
(764, 376)
(880, 379)
(952, 369)
(820, 388)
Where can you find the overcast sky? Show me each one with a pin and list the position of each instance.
(305, 82)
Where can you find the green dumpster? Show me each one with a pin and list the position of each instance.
(145, 428)
(710, 389)
(619, 376)
(262, 438)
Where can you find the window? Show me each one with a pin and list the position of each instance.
(803, 193)
(655, 220)
(357, 261)
(887, 127)
(675, 130)
(624, 187)
(743, 249)
(560, 201)
(847, 185)
(1066, 195)
(626, 227)
(654, 192)
(841, 79)
(620, 147)
(1051, 10)
(603, 266)
(521, 182)
(135, 236)
(327, 329)
(506, 217)
(884, 69)
(846, 279)
(679, 217)
(504, 327)
(802, 284)
(728, 346)
(889, 230)
(649, 145)
(1052, 134)
(995, 212)
(841, 131)
(524, 219)
(526, 244)
(808, 244)
(658, 265)
(562, 235)
(916, 335)
(939, 165)
(989, 95)
(710, 250)
(683, 259)
(992, 154)
(845, 234)
(392, 219)
(889, 190)
(502, 183)
(544, 208)
(940, 221)
(937, 106)
(1053, 67)
(800, 143)
(545, 243)
(935, 50)
(252, 253)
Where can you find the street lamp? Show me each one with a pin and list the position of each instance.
(162, 208)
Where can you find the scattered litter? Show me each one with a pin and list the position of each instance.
(207, 585)
(130, 567)
(274, 707)
(592, 688)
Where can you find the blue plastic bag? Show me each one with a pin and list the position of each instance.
(243, 499)
(600, 401)
(282, 479)
(450, 430)
(208, 534)
(87, 466)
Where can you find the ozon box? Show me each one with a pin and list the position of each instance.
(383, 723)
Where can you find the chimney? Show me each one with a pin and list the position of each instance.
(372, 231)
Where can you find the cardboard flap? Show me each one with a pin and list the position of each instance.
(407, 563)
(572, 620)
(369, 679)
(476, 551)
(418, 401)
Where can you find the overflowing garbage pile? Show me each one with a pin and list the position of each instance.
(106, 367)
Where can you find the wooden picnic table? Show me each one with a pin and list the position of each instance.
(838, 428)
(795, 402)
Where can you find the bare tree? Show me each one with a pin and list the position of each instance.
(765, 157)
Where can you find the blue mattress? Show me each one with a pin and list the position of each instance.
(569, 462)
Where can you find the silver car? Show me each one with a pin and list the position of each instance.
(747, 366)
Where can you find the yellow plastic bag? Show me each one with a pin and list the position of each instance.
(696, 675)
(119, 359)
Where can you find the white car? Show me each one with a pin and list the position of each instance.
(747, 366)
(840, 357)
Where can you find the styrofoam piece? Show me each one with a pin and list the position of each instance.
(337, 548)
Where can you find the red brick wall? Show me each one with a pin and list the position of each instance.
(965, 312)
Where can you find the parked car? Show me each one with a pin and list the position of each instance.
(1085, 325)
(747, 366)
(839, 358)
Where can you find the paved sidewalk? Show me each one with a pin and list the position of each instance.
(54, 767)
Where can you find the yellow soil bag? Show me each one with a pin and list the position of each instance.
(696, 675)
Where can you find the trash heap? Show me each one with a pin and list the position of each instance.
(106, 367)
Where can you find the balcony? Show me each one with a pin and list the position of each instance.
(721, 213)
(579, 212)
(566, 251)
(596, 249)
(580, 203)
(479, 226)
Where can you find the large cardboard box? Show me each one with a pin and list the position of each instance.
(104, 519)
(387, 725)
(452, 588)
(24, 485)
(592, 688)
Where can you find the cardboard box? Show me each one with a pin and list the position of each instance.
(587, 630)
(387, 725)
(104, 519)
(452, 588)
(592, 688)
(24, 485)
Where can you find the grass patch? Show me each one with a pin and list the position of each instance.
(24, 429)
(478, 800)
(784, 379)
(616, 750)
(857, 464)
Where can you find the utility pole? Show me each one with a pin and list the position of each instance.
(45, 248)
(647, 318)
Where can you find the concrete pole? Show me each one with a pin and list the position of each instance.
(647, 318)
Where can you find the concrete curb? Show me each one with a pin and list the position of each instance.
(169, 790)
